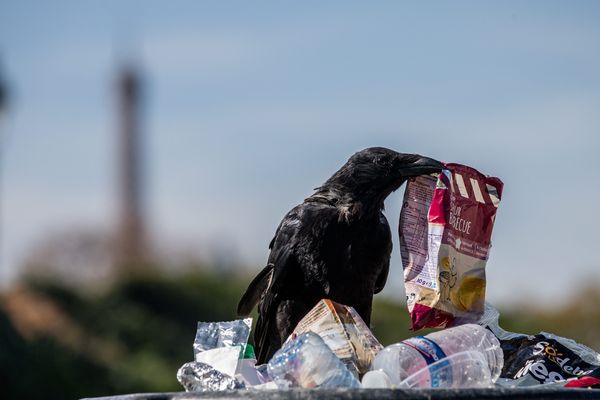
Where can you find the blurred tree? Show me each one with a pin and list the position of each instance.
(134, 335)
(76, 257)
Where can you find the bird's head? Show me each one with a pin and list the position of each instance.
(370, 175)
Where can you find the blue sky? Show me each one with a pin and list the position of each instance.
(250, 105)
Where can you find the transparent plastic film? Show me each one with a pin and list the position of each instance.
(212, 335)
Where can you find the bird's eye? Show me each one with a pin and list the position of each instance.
(379, 160)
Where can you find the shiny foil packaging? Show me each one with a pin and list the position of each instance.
(200, 377)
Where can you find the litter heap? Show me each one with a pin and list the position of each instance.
(445, 227)
(336, 350)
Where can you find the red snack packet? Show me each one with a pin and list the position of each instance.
(445, 237)
(589, 381)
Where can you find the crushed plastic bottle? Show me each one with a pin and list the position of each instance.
(467, 369)
(307, 362)
(402, 360)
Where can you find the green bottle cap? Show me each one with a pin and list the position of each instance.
(249, 352)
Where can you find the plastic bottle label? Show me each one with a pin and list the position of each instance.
(431, 353)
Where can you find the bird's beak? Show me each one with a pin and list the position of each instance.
(422, 166)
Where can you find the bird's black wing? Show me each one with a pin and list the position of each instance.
(299, 276)
(255, 290)
(385, 236)
(262, 281)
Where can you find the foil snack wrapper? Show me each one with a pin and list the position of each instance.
(212, 335)
(200, 377)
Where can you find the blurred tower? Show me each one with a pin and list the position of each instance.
(130, 245)
(3, 95)
(3, 110)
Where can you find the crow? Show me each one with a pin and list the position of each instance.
(335, 245)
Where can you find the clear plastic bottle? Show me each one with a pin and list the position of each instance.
(401, 360)
(308, 362)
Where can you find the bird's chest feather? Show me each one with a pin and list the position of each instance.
(366, 253)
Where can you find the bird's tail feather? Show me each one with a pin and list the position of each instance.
(276, 322)
(265, 340)
(255, 290)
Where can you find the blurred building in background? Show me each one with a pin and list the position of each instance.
(130, 245)
(3, 133)
(89, 255)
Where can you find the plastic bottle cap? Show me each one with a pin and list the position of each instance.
(376, 380)
(249, 352)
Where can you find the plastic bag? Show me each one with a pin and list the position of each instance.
(540, 359)
(212, 335)
(445, 229)
(218, 348)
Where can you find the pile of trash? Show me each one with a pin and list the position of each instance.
(445, 237)
(333, 348)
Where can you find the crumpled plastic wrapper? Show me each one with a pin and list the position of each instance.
(217, 349)
(200, 377)
(211, 335)
(344, 331)
(542, 359)
(263, 372)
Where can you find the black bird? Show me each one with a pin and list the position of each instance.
(335, 245)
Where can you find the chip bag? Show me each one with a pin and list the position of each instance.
(445, 238)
